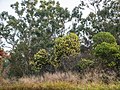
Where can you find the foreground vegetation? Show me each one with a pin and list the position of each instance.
(59, 81)
(60, 86)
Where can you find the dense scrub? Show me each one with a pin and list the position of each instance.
(40, 43)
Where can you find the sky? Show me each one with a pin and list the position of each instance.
(5, 4)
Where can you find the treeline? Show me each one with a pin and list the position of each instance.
(40, 42)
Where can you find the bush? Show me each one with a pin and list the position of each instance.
(106, 48)
(66, 49)
(85, 63)
(67, 46)
(104, 37)
(109, 53)
(40, 59)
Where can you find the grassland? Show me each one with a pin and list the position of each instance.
(60, 86)
(58, 81)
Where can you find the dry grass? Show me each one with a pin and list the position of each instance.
(60, 86)
(49, 77)
(69, 77)
(88, 77)
(61, 81)
(97, 76)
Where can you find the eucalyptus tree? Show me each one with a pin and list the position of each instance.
(35, 25)
(104, 15)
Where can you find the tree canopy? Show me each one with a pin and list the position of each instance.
(37, 35)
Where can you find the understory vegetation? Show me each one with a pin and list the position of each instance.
(44, 54)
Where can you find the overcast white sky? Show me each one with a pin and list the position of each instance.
(5, 4)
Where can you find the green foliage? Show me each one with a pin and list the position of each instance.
(65, 50)
(104, 37)
(103, 17)
(109, 53)
(85, 63)
(106, 50)
(19, 60)
(67, 45)
(40, 59)
(39, 23)
(36, 26)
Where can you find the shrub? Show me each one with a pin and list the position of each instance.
(66, 49)
(85, 63)
(40, 59)
(109, 53)
(104, 37)
(106, 48)
(67, 45)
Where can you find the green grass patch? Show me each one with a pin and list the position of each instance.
(60, 86)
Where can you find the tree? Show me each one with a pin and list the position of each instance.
(65, 48)
(34, 27)
(103, 17)
(19, 61)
